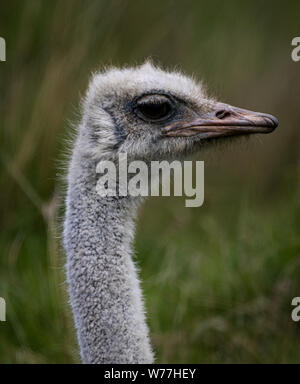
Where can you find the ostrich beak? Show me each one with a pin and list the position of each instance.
(224, 120)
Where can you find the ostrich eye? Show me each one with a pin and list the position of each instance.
(154, 108)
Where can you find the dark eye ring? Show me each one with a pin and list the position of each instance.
(154, 109)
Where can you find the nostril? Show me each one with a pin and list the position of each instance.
(222, 114)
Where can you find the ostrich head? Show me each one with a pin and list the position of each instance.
(152, 114)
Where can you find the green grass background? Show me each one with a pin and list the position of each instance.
(218, 280)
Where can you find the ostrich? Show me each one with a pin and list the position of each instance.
(148, 114)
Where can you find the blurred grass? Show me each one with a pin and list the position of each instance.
(219, 284)
(218, 280)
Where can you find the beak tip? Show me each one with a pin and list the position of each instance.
(271, 122)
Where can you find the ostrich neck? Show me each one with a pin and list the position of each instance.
(104, 288)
